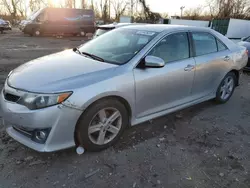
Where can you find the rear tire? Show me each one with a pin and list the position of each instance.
(226, 88)
(108, 117)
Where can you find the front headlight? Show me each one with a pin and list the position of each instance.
(37, 101)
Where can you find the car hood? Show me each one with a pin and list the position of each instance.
(57, 72)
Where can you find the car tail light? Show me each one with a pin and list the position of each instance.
(246, 52)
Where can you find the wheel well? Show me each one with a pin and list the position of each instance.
(122, 100)
(237, 74)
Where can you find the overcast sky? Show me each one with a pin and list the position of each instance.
(173, 6)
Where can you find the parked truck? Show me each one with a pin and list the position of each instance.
(232, 28)
(59, 21)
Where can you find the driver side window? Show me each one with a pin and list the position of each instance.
(173, 47)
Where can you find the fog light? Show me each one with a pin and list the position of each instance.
(40, 136)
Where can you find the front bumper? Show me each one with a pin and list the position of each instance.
(61, 121)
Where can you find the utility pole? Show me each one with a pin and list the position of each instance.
(182, 7)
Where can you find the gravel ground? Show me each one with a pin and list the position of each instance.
(204, 146)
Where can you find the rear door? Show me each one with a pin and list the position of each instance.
(212, 59)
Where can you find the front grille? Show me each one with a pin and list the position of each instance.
(23, 131)
(11, 97)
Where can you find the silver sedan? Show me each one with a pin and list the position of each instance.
(89, 95)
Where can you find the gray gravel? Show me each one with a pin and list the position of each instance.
(204, 146)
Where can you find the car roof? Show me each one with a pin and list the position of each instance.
(172, 28)
(165, 27)
(116, 25)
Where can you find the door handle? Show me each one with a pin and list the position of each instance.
(226, 58)
(189, 67)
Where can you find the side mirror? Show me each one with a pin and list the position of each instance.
(154, 62)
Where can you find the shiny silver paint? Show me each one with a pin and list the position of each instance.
(150, 92)
(227, 87)
(105, 125)
(152, 61)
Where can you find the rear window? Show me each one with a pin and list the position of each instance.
(101, 31)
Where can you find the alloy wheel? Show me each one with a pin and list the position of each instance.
(227, 88)
(105, 126)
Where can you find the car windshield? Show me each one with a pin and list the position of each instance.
(119, 45)
(35, 14)
(101, 31)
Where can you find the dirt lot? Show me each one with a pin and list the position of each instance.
(204, 146)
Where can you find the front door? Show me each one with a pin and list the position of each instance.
(158, 89)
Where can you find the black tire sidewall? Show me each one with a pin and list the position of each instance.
(34, 32)
(218, 96)
(83, 123)
(81, 33)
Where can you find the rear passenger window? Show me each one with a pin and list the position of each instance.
(221, 46)
(204, 43)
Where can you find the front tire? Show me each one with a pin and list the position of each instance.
(226, 88)
(82, 33)
(101, 125)
(36, 32)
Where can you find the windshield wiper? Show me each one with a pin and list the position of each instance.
(93, 56)
(88, 54)
(76, 50)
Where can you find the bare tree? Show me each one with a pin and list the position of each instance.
(97, 11)
(70, 3)
(149, 15)
(119, 7)
(83, 4)
(229, 8)
(164, 15)
(22, 8)
(193, 13)
(35, 5)
(104, 9)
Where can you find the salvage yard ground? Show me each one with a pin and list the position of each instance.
(204, 146)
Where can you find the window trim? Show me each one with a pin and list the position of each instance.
(226, 48)
(216, 38)
(195, 55)
(138, 65)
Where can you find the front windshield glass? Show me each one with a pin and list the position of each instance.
(100, 32)
(35, 14)
(119, 45)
